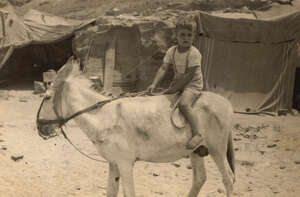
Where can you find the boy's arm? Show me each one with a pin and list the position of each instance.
(195, 73)
(194, 68)
(160, 74)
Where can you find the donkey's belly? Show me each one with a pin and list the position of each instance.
(163, 147)
(168, 155)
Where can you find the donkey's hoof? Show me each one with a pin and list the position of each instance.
(202, 151)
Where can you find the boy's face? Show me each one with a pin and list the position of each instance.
(185, 37)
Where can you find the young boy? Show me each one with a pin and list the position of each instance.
(186, 61)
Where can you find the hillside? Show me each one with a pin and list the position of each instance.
(83, 9)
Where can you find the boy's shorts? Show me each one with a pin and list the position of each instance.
(194, 86)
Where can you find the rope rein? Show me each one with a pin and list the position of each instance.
(76, 148)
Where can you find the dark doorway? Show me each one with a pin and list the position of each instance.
(27, 64)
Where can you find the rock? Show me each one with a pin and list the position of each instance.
(277, 128)
(297, 161)
(135, 13)
(262, 151)
(155, 174)
(282, 166)
(17, 157)
(4, 95)
(237, 139)
(176, 165)
(113, 12)
(44, 2)
(19, 3)
(253, 137)
(3, 3)
(2, 141)
(189, 167)
(274, 189)
(160, 193)
(3, 147)
(283, 2)
(282, 112)
(39, 87)
(247, 163)
(271, 145)
(294, 112)
(221, 191)
(288, 149)
(23, 99)
(159, 9)
(97, 83)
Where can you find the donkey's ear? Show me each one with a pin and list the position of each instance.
(63, 73)
(72, 67)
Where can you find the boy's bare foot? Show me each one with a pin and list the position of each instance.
(194, 142)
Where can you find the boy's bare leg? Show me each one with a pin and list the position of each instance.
(185, 106)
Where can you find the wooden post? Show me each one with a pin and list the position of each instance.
(110, 60)
(3, 24)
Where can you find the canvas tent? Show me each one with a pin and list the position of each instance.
(36, 39)
(250, 61)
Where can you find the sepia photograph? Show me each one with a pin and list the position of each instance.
(149, 98)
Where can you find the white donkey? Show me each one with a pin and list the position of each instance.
(139, 128)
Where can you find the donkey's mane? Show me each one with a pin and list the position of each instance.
(79, 79)
(83, 81)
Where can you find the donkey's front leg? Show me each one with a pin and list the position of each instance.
(113, 180)
(126, 172)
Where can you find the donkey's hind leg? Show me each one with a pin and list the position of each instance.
(224, 168)
(113, 180)
(199, 174)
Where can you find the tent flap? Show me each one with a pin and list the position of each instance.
(36, 28)
(255, 77)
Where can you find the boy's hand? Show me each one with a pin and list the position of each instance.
(151, 88)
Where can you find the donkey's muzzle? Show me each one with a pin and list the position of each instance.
(47, 131)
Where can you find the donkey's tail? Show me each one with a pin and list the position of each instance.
(230, 154)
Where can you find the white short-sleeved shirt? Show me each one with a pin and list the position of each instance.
(182, 61)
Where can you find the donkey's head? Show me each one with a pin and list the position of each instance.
(50, 114)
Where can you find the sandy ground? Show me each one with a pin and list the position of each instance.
(267, 159)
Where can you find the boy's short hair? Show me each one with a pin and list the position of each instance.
(186, 22)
